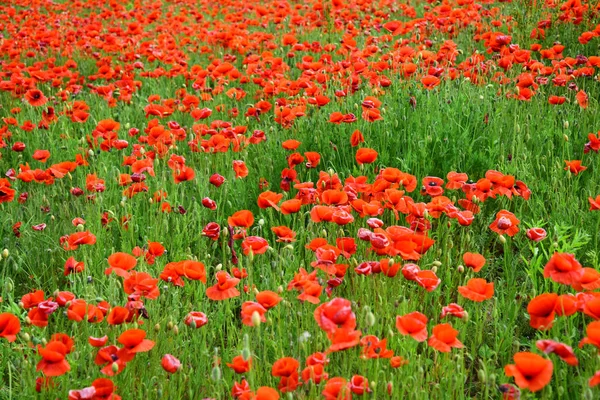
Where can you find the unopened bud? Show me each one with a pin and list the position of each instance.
(215, 374)
(176, 330)
(256, 319)
(5, 253)
(370, 319)
(114, 367)
(157, 327)
(170, 325)
(460, 269)
(502, 239)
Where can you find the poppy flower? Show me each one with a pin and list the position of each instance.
(195, 319)
(444, 338)
(359, 385)
(6, 193)
(477, 289)
(53, 362)
(428, 280)
(574, 166)
(312, 159)
(530, 371)
(365, 156)
(432, 186)
(336, 313)
(536, 234)
(41, 155)
(254, 244)
(240, 169)
(141, 284)
(560, 349)
(337, 389)
(505, 223)
(248, 310)
(216, 180)
(287, 369)
(35, 97)
(224, 288)
(120, 263)
(242, 219)
(266, 393)
(239, 365)
(594, 203)
(563, 268)
(212, 230)
(290, 144)
(9, 326)
(474, 261)
(413, 324)
(268, 299)
(541, 311)
(170, 363)
(134, 341)
(356, 138)
(454, 310)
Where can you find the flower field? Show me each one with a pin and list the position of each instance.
(320, 199)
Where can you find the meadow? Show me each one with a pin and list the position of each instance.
(299, 199)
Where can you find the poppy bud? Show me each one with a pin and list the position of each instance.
(390, 388)
(566, 138)
(566, 124)
(157, 327)
(246, 353)
(80, 228)
(5, 253)
(28, 320)
(176, 330)
(370, 319)
(215, 374)
(482, 375)
(261, 222)
(8, 286)
(21, 305)
(324, 232)
(436, 264)
(256, 319)
(114, 367)
(91, 153)
(219, 267)
(555, 244)
(280, 289)
(502, 239)
(25, 336)
(434, 269)
(492, 379)
(460, 269)
(170, 325)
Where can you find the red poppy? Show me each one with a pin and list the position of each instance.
(474, 260)
(170, 363)
(530, 371)
(444, 338)
(505, 222)
(196, 319)
(365, 156)
(541, 311)
(239, 365)
(477, 289)
(536, 234)
(224, 288)
(563, 268)
(53, 362)
(560, 349)
(134, 341)
(574, 166)
(9, 326)
(413, 324)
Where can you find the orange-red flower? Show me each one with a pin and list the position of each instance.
(530, 371)
(224, 288)
(563, 268)
(9, 326)
(53, 362)
(413, 324)
(134, 341)
(477, 289)
(444, 338)
(541, 311)
(505, 223)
